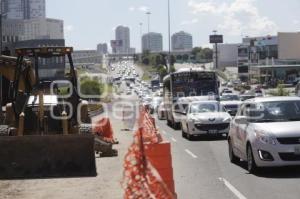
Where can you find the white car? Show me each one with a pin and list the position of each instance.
(205, 118)
(231, 103)
(266, 133)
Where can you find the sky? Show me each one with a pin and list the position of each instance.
(89, 22)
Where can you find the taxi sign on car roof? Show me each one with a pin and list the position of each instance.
(44, 51)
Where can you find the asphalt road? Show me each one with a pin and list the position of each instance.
(202, 170)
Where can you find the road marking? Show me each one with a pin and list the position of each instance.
(190, 153)
(232, 189)
(173, 139)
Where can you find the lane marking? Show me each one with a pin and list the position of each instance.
(173, 139)
(232, 189)
(190, 153)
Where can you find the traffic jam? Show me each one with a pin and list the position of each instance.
(261, 130)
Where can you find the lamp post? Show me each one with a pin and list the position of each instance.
(141, 35)
(148, 14)
(169, 37)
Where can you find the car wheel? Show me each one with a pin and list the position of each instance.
(233, 158)
(251, 165)
(188, 135)
(183, 133)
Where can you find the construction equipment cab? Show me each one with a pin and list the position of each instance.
(49, 102)
(46, 129)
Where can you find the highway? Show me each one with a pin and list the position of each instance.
(202, 170)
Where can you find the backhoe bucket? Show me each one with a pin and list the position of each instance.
(47, 156)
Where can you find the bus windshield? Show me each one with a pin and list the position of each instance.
(194, 84)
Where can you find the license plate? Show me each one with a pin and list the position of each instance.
(297, 150)
(213, 131)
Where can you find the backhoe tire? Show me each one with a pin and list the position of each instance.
(4, 130)
(85, 129)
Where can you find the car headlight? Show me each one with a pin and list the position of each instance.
(227, 120)
(264, 138)
(192, 119)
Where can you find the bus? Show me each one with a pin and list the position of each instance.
(187, 83)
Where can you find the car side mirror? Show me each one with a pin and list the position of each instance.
(241, 120)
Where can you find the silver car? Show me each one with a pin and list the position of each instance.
(266, 133)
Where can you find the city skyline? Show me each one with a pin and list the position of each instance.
(234, 18)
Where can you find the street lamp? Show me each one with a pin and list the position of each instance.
(141, 35)
(169, 35)
(148, 14)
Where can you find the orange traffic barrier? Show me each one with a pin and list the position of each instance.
(148, 171)
(141, 179)
(104, 129)
(160, 157)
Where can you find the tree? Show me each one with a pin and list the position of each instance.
(158, 60)
(162, 71)
(172, 60)
(179, 57)
(196, 50)
(185, 57)
(146, 61)
(207, 53)
(91, 87)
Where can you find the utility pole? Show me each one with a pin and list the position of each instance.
(141, 35)
(169, 35)
(216, 47)
(148, 14)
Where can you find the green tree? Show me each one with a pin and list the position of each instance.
(207, 53)
(146, 61)
(162, 71)
(172, 60)
(179, 57)
(185, 57)
(196, 50)
(91, 87)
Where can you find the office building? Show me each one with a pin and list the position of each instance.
(289, 45)
(24, 9)
(182, 41)
(152, 42)
(19, 30)
(102, 48)
(227, 55)
(123, 35)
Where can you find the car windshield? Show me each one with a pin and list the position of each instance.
(229, 97)
(205, 108)
(279, 111)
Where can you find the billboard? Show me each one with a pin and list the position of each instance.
(216, 39)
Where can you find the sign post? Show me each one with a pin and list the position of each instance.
(216, 39)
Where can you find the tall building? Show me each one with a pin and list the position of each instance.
(152, 41)
(24, 9)
(123, 34)
(182, 41)
(20, 30)
(102, 48)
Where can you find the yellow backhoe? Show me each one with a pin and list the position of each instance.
(45, 129)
